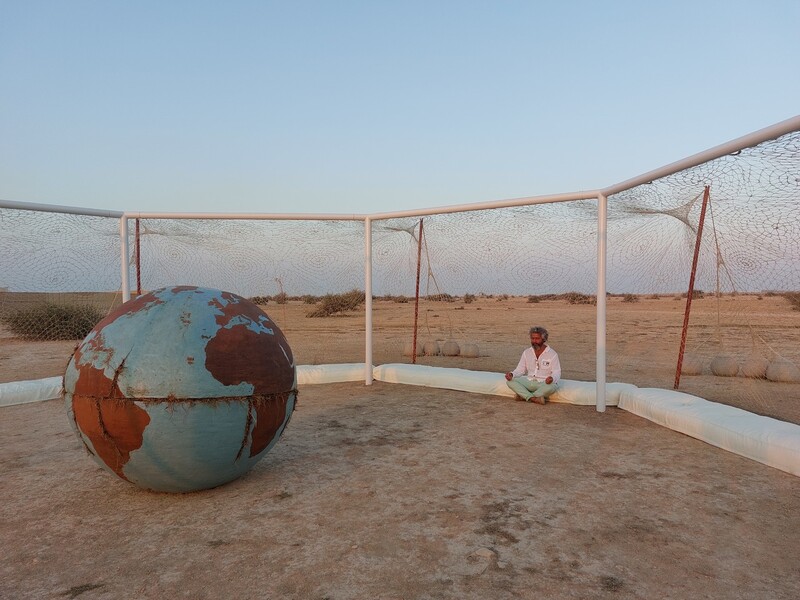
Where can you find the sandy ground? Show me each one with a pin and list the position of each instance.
(642, 342)
(393, 491)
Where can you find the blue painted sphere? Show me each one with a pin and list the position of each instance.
(181, 389)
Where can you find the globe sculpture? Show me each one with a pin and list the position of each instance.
(181, 389)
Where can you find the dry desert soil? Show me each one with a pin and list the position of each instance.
(392, 491)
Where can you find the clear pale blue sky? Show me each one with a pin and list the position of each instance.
(371, 106)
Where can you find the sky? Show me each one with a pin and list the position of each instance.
(374, 106)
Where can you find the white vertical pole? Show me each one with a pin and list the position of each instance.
(368, 300)
(124, 258)
(602, 230)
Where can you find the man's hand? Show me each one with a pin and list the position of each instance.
(509, 376)
(549, 380)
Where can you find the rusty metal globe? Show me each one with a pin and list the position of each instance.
(181, 389)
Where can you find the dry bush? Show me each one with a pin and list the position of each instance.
(533, 300)
(281, 298)
(696, 294)
(53, 321)
(469, 298)
(331, 304)
(630, 298)
(578, 298)
(441, 298)
(794, 299)
(259, 299)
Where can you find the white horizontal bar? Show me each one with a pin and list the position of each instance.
(752, 139)
(55, 208)
(246, 216)
(487, 205)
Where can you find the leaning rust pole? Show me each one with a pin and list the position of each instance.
(416, 297)
(706, 194)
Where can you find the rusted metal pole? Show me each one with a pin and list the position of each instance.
(416, 297)
(706, 194)
(138, 261)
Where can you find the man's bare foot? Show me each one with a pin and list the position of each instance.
(538, 400)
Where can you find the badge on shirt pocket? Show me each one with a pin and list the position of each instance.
(545, 363)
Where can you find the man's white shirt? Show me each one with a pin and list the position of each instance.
(546, 365)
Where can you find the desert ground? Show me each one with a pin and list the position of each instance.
(391, 491)
(643, 340)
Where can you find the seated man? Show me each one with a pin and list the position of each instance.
(538, 371)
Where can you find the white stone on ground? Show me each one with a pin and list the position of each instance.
(691, 365)
(784, 371)
(755, 368)
(408, 349)
(431, 348)
(451, 348)
(471, 351)
(724, 366)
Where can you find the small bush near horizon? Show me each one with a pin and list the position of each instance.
(469, 298)
(54, 321)
(578, 298)
(281, 298)
(630, 298)
(533, 300)
(794, 299)
(696, 294)
(331, 304)
(259, 299)
(441, 298)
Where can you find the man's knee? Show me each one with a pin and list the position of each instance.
(545, 390)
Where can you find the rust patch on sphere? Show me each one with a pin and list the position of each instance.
(270, 413)
(229, 354)
(113, 424)
(128, 308)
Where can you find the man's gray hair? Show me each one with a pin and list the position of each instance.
(540, 330)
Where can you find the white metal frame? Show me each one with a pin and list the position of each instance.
(601, 195)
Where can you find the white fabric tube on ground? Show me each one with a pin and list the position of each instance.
(34, 390)
(766, 440)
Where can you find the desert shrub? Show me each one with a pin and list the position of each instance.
(654, 296)
(630, 298)
(331, 304)
(696, 294)
(794, 299)
(502, 297)
(309, 299)
(441, 298)
(399, 299)
(533, 300)
(259, 299)
(578, 298)
(53, 321)
(281, 298)
(469, 298)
